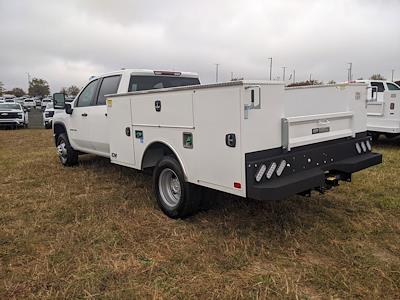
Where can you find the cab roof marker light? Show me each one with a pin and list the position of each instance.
(167, 73)
(271, 170)
(368, 145)
(364, 148)
(260, 173)
(358, 147)
(281, 167)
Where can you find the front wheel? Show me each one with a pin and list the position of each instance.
(68, 156)
(175, 197)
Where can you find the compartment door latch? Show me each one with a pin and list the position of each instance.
(230, 140)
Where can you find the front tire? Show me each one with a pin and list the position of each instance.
(175, 197)
(68, 156)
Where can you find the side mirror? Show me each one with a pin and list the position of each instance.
(59, 100)
(68, 108)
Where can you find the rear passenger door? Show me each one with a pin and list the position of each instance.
(99, 131)
(380, 89)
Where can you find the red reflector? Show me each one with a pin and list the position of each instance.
(237, 185)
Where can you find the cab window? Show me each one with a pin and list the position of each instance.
(109, 85)
(379, 85)
(143, 83)
(86, 97)
(392, 87)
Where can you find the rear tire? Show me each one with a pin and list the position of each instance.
(175, 197)
(68, 156)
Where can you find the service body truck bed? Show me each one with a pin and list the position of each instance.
(253, 139)
(383, 109)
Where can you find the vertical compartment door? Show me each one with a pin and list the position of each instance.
(120, 131)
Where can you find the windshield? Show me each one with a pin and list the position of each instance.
(9, 106)
(142, 83)
(392, 87)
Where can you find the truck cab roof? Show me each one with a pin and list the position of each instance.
(147, 72)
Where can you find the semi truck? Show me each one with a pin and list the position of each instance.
(254, 139)
(383, 111)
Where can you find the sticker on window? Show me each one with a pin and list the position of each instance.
(109, 102)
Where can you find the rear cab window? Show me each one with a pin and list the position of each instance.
(143, 82)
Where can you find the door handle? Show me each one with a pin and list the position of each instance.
(84, 115)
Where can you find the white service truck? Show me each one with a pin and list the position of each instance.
(383, 110)
(254, 139)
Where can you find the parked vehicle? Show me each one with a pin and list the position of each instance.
(13, 115)
(1, 99)
(29, 102)
(48, 116)
(19, 100)
(38, 101)
(9, 101)
(383, 109)
(247, 138)
(46, 101)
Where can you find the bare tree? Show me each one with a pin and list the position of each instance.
(377, 77)
(73, 90)
(1, 88)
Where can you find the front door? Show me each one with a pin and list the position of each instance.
(80, 135)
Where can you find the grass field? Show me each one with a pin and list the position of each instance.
(94, 231)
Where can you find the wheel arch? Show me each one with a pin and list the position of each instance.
(58, 128)
(155, 151)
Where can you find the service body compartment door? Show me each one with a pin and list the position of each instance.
(217, 161)
(171, 109)
(120, 131)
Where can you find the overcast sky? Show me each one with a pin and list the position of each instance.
(65, 42)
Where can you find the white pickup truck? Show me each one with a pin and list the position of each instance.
(254, 139)
(383, 109)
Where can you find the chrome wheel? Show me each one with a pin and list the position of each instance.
(169, 187)
(62, 152)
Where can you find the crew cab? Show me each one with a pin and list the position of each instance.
(87, 126)
(13, 115)
(254, 139)
(383, 108)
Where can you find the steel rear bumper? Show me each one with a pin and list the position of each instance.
(303, 181)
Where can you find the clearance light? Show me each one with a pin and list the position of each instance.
(271, 170)
(281, 167)
(368, 145)
(358, 147)
(167, 73)
(261, 172)
(364, 148)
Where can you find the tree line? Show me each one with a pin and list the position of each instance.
(37, 88)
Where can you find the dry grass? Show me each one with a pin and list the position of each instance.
(94, 231)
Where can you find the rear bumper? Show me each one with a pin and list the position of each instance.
(307, 168)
